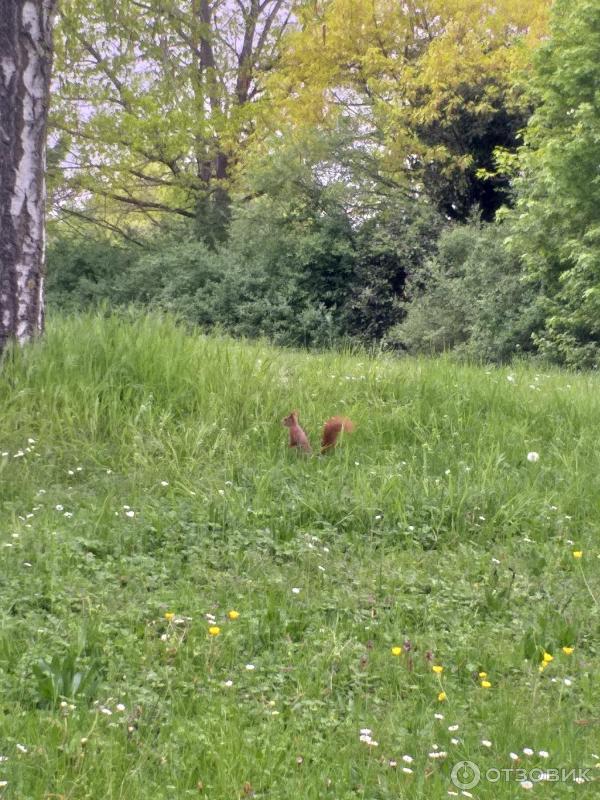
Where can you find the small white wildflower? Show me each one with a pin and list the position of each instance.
(455, 741)
(439, 716)
(513, 756)
(543, 753)
(59, 507)
(568, 682)
(130, 513)
(164, 483)
(126, 508)
(250, 667)
(452, 727)
(68, 514)
(222, 492)
(407, 759)
(296, 590)
(510, 378)
(495, 561)
(228, 683)
(392, 763)
(120, 707)
(579, 779)
(30, 441)
(79, 469)
(109, 471)
(378, 516)
(365, 731)
(464, 793)
(106, 711)
(533, 456)
(70, 472)
(528, 751)
(21, 748)
(526, 785)
(486, 743)
(408, 770)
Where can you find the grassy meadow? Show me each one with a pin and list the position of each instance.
(190, 609)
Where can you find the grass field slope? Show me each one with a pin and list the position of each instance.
(189, 609)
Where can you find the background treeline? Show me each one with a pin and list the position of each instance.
(418, 180)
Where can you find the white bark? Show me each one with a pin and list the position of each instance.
(26, 46)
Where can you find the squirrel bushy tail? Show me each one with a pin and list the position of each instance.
(331, 431)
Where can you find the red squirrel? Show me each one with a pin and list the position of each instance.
(331, 430)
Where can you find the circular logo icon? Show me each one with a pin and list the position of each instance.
(465, 775)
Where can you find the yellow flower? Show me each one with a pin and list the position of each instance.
(169, 616)
(568, 650)
(542, 666)
(396, 651)
(485, 684)
(233, 614)
(214, 630)
(483, 674)
(577, 553)
(438, 669)
(547, 658)
(442, 696)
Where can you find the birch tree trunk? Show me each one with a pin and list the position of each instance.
(25, 64)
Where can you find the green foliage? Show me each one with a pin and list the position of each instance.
(148, 489)
(558, 214)
(62, 679)
(392, 248)
(472, 297)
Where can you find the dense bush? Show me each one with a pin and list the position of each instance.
(471, 297)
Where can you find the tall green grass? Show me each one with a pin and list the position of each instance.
(144, 472)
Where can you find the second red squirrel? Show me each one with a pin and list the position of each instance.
(331, 430)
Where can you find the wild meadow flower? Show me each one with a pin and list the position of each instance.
(567, 650)
(169, 615)
(438, 669)
(547, 657)
(295, 590)
(214, 630)
(543, 753)
(533, 456)
(407, 759)
(250, 667)
(438, 716)
(442, 696)
(452, 727)
(526, 785)
(396, 651)
(233, 614)
(485, 685)
(483, 675)
(513, 757)
(577, 553)
(120, 707)
(486, 743)
(528, 751)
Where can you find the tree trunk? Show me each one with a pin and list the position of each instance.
(25, 64)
